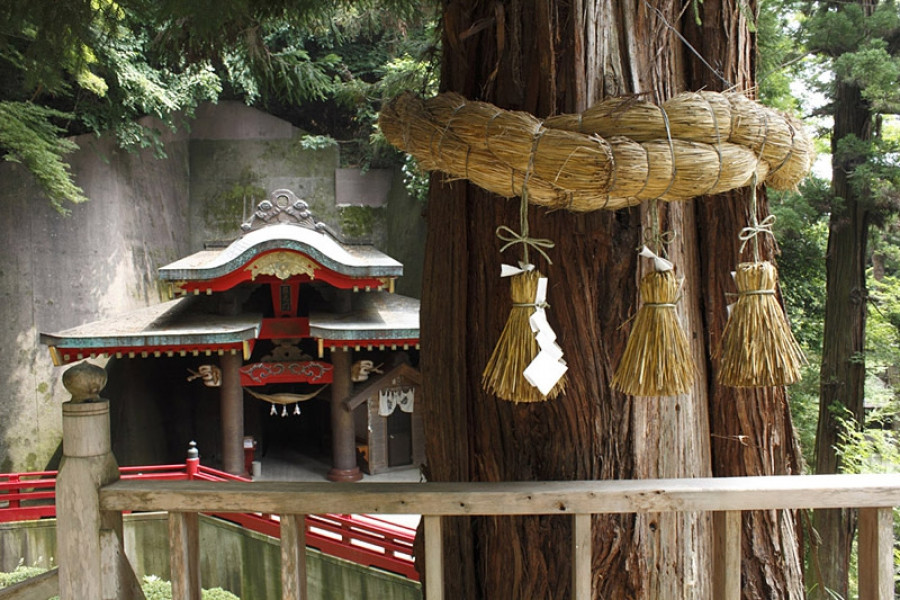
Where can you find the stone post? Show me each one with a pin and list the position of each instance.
(343, 429)
(89, 547)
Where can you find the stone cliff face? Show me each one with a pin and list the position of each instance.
(60, 271)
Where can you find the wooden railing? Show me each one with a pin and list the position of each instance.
(726, 498)
(90, 501)
(361, 539)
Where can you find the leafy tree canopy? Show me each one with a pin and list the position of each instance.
(96, 65)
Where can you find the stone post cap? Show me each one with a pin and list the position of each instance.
(84, 381)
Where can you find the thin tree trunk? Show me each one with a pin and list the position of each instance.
(843, 371)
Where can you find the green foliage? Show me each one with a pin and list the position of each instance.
(357, 221)
(874, 71)
(137, 88)
(801, 228)
(838, 28)
(29, 136)
(157, 589)
(373, 56)
(153, 587)
(779, 56)
(317, 142)
(22, 573)
(415, 179)
(870, 449)
(108, 63)
(883, 326)
(873, 171)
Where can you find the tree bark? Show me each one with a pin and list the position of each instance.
(545, 58)
(752, 432)
(843, 372)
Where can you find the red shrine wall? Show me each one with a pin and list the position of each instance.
(60, 271)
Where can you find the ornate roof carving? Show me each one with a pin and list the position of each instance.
(283, 206)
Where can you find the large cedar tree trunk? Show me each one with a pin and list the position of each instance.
(549, 57)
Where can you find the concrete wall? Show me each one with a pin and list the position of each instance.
(245, 563)
(60, 271)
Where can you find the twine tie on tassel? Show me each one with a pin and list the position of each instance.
(511, 237)
(750, 232)
(531, 304)
(508, 235)
(658, 239)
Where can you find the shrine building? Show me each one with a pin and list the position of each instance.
(288, 314)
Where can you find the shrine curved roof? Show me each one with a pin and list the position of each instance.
(180, 325)
(374, 316)
(186, 326)
(352, 260)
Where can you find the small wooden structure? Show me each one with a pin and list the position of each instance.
(287, 289)
(389, 431)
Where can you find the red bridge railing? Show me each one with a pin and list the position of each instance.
(362, 539)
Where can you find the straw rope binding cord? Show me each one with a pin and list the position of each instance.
(758, 348)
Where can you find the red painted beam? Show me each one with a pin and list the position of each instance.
(67, 355)
(286, 372)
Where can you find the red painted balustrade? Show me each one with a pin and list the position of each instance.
(362, 539)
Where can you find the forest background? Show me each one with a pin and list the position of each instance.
(98, 65)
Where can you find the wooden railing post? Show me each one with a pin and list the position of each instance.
(293, 557)
(184, 555)
(581, 556)
(727, 555)
(876, 554)
(434, 558)
(87, 465)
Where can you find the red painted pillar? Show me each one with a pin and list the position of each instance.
(343, 431)
(232, 403)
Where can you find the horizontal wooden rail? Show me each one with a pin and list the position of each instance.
(39, 587)
(364, 540)
(509, 498)
(725, 498)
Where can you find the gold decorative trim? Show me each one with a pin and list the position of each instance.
(54, 356)
(282, 265)
(176, 288)
(387, 283)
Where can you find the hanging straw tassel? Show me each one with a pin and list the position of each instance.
(758, 348)
(517, 348)
(657, 359)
